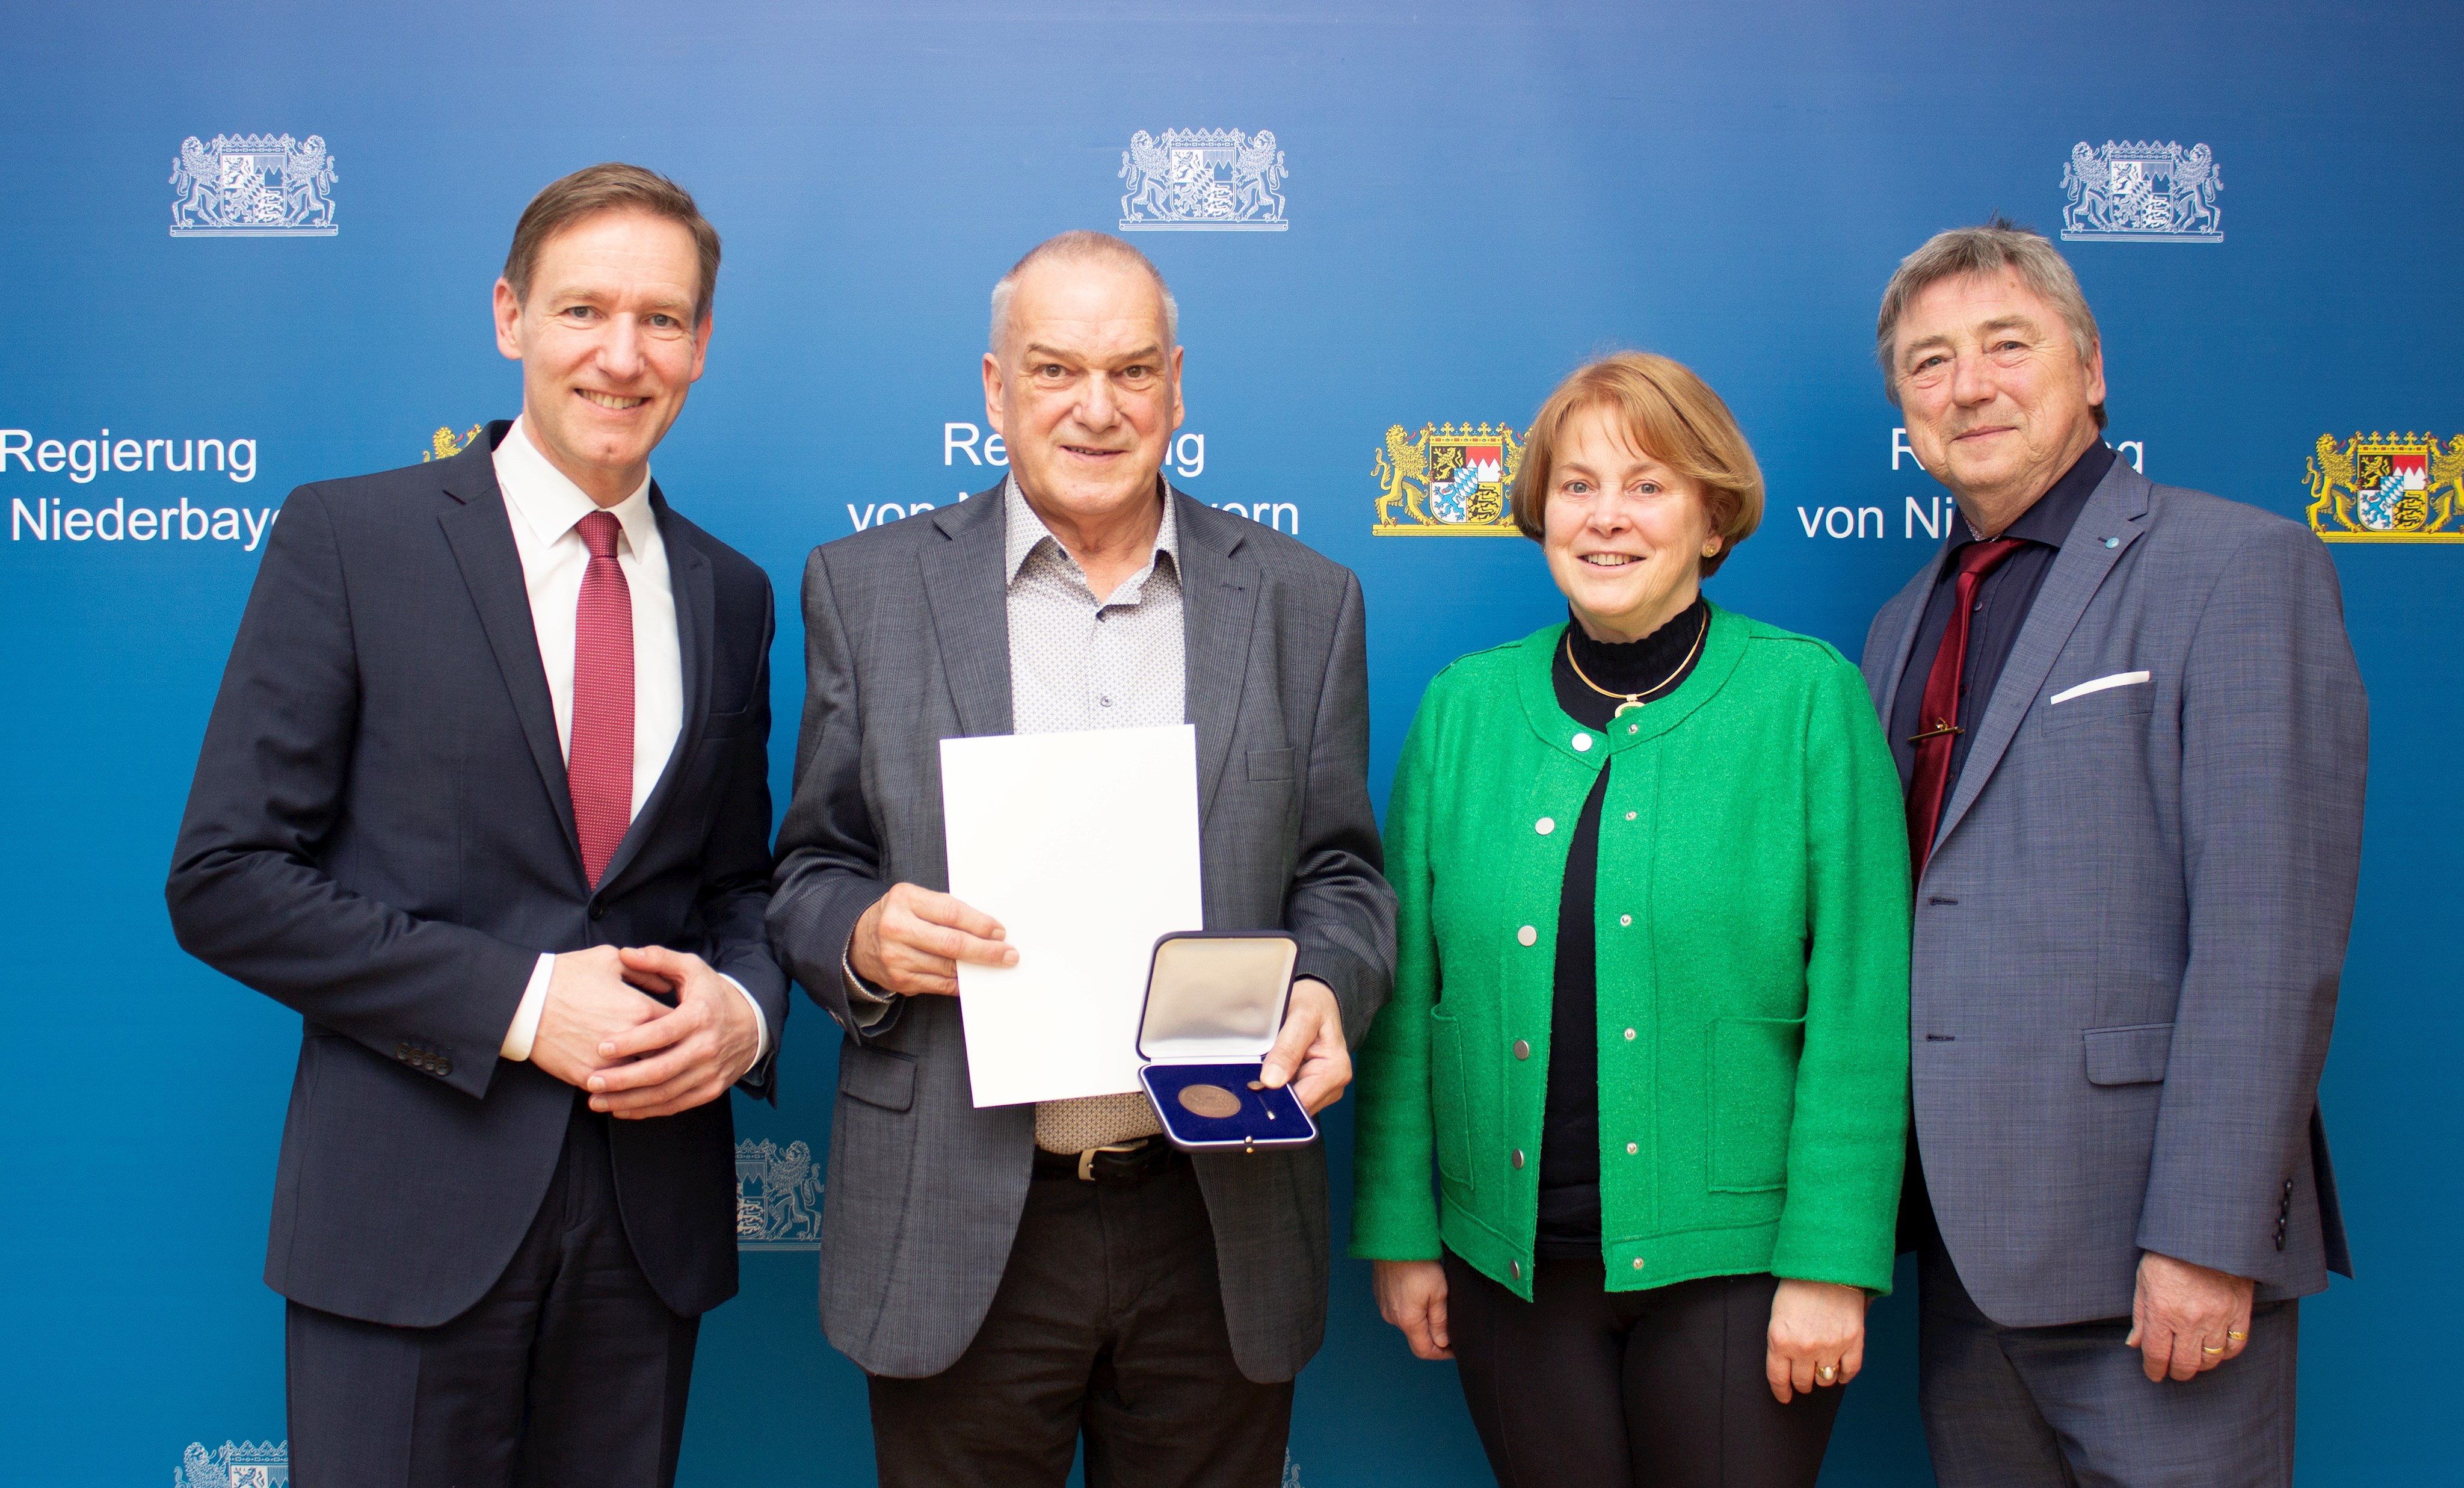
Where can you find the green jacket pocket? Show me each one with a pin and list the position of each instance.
(1753, 1101)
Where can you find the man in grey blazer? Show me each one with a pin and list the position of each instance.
(1014, 1278)
(2134, 741)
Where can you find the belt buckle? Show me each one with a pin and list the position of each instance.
(1087, 1159)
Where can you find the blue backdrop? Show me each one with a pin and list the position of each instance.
(1472, 199)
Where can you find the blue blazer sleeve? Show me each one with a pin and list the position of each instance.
(247, 893)
(734, 908)
(2274, 747)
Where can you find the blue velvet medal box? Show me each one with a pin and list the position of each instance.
(1215, 1001)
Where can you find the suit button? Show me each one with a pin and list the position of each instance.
(598, 910)
(401, 1052)
(1518, 1157)
(1528, 936)
(1637, 1264)
(1544, 825)
(1514, 1268)
(1523, 1049)
(1631, 1148)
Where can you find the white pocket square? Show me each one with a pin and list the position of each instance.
(2117, 679)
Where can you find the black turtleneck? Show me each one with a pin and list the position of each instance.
(1570, 1141)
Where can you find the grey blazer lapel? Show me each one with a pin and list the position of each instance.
(1218, 599)
(482, 539)
(964, 587)
(2116, 513)
(696, 623)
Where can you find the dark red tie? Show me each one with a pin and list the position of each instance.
(1938, 727)
(598, 761)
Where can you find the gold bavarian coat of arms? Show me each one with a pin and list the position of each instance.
(1447, 479)
(2388, 488)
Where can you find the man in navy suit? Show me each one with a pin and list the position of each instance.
(484, 797)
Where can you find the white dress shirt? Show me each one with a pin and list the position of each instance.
(545, 510)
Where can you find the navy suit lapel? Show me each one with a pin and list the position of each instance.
(483, 538)
(2113, 518)
(965, 587)
(696, 635)
(1219, 598)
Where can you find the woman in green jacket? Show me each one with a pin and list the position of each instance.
(1651, 999)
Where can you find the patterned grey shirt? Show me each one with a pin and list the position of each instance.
(1078, 662)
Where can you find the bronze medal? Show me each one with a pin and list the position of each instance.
(1212, 1101)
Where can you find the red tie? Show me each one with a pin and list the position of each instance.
(1937, 719)
(599, 763)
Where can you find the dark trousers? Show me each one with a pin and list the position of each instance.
(1608, 1389)
(570, 1371)
(1108, 1325)
(2070, 1407)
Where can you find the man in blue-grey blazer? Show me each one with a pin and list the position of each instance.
(2134, 741)
(485, 799)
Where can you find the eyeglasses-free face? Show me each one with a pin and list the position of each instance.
(1623, 533)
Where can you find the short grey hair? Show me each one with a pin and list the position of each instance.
(1999, 244)
(1081, 246)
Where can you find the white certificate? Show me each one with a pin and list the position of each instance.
(1084, 846)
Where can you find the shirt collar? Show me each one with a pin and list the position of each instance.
(2050, 519)
(1027, 530)
(552, 505)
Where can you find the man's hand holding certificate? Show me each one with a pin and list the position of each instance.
(912, 940)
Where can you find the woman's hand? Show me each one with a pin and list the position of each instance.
(1412, 1295)
(1815, 1326)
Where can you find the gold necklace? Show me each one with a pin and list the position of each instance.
(1634, 699)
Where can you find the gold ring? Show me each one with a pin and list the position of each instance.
(2236, 1335)
(2209, 1348)
(1826, 1373)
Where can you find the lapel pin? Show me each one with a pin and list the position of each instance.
(2113, 542)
